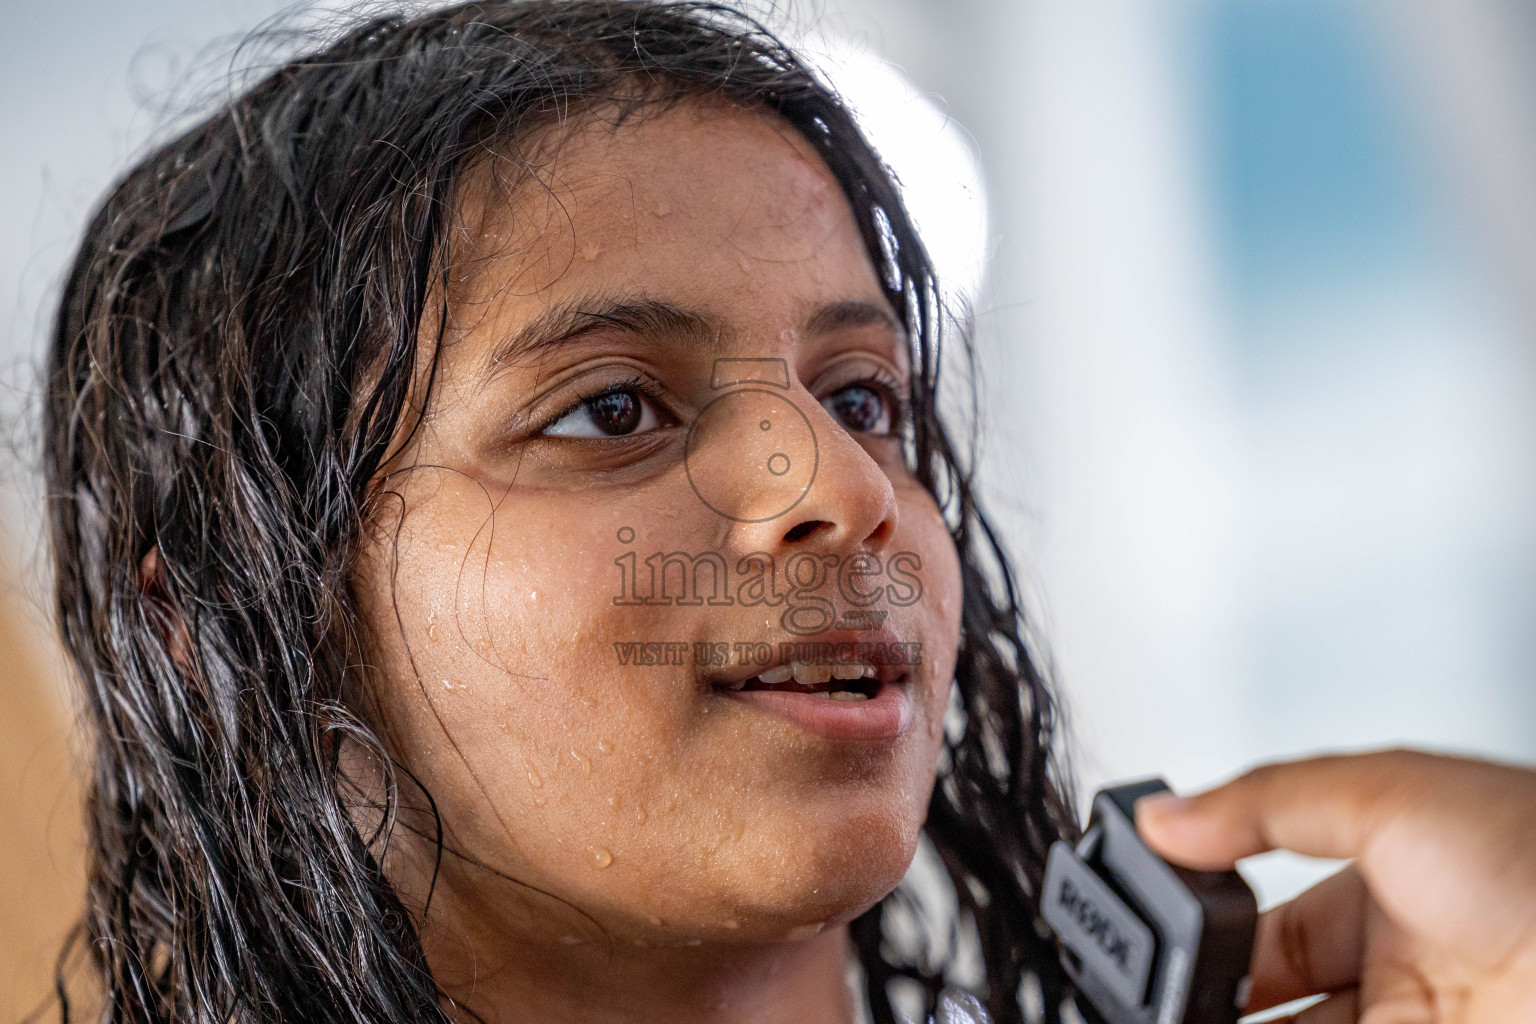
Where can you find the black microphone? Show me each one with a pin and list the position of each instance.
(1146, 941)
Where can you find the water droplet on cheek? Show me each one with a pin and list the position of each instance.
(640, 815)
(540, 801)
(601, 858)
(581, 759)
(533, 779)
(604, 747)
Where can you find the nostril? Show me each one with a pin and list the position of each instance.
(805, 529)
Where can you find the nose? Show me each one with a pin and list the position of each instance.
(850, 504)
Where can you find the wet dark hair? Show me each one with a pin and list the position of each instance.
(235, 350)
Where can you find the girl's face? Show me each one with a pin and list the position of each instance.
(663, 459)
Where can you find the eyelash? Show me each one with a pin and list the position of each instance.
(644, 385)
(882, 379)
(889, 384)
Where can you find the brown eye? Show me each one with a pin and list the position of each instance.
(618, 413)
(861, 408)
(611, 414)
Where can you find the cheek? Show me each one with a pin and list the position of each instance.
(494, 624)
(487, 672)
(935, 614)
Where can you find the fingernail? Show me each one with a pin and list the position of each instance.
(1164, 803)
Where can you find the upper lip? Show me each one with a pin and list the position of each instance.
(734, 675)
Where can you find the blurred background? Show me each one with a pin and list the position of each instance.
(1253, 284)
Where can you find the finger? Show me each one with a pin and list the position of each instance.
(1339, 1008)
(1442, 842)
(1321, 807)
(1315, 943)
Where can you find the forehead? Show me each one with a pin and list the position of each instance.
(703, 204)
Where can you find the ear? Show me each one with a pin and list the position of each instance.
(169, 624)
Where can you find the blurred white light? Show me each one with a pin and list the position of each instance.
(930, 154)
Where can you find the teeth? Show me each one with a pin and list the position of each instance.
(846, 695)
(807, 674)
(869, 671)
(776, 675)
(848, 671)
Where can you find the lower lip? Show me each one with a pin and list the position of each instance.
(881, 717)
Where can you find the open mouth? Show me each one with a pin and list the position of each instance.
(841, 701)
(854, 681)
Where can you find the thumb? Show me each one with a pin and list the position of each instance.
(1442, 842)
(1321, 807)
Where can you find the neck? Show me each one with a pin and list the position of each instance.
(501, 978)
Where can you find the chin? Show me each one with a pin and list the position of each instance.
(805, 875)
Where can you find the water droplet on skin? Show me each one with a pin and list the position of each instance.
(732, 924)
(533, 779)
(533, 595)
(604, 747)
(640, 815)
(613, 801)
(655, 921)
(540, 801)
(447, 685)
(601, 858)
(581, 759)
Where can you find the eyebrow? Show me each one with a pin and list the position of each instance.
(571, 320)
(850, 314)
(656, 319)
